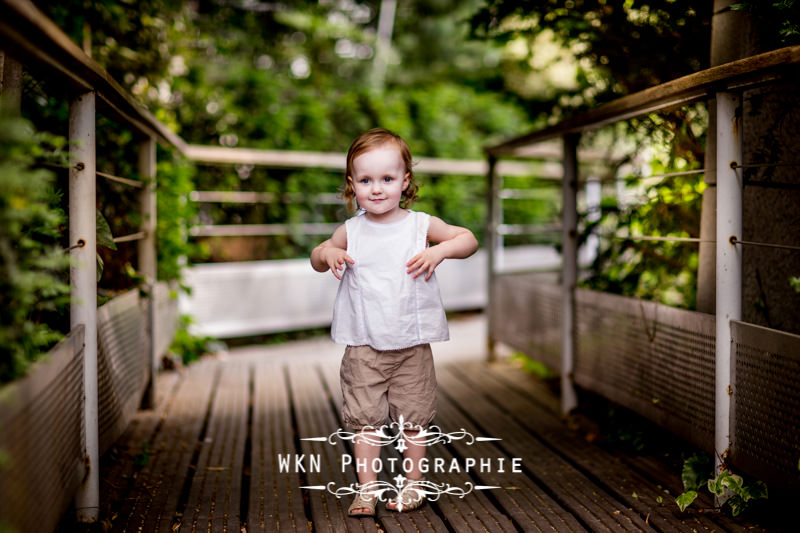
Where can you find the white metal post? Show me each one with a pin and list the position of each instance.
(83, 276)
(729, 261)
(569, 254)
(490, 244)
(147, 254)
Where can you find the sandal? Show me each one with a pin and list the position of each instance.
(411, 497)
(360, 504)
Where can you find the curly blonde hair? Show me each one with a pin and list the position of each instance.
(369, 140)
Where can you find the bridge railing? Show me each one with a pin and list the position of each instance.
(109, 358)
(703, 376)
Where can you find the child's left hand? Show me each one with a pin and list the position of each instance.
(425, 261)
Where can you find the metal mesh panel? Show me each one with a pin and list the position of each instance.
(41, 437)
(122, 364)
(166, 317)
(652, 358)
(766, 411)
(527, 316)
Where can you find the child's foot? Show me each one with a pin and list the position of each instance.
(362, 505)
(411, 497)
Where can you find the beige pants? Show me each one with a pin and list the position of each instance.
(377, 385)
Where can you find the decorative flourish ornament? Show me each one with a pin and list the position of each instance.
(384, 435)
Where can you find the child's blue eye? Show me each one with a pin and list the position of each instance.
(387, 179)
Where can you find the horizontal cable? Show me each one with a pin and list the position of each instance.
(126, 181)
(769, 184)
(765, 165)
(662, 239)
(674, 174)
(653, 177)
(734, 240)
(132, 237)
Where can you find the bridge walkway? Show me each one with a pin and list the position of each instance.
(208, 457)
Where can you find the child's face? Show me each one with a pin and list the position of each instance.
(379, 179)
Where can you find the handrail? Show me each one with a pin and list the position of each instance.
(753, 70)
(216, 155)
(34, 39)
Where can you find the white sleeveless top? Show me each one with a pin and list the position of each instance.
(378, 303)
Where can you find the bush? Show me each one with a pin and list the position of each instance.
(34, 290)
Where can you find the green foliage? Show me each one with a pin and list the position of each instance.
(610, 48)
(663, 207)
(728, 488)
(781, 17)
(104, 238)
(187, 346)
(143, 457)
(694, 474)
(532, 366)
(225, 74)
(174, 182)
(686, 499)
(794, 282)
(33, 264)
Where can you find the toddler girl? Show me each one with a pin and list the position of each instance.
(388, 309)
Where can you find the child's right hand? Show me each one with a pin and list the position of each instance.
(336, 258)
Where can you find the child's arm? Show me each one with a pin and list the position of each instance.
(454, 242)
(332, 253)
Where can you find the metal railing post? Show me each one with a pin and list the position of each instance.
(491, 255)
(83, 277)
(10, 84)
(147, 254)
(729, 261)
(569, 253)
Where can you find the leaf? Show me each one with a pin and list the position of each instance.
(99, 266)
(756, 491)
(686, 499)
(104, 236)
(694, 473)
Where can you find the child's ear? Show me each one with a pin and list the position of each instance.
(406, 180)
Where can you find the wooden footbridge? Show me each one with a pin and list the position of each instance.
(250, 440)
(206, 458)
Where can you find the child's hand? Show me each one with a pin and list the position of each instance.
(425, 261)
(335, 258)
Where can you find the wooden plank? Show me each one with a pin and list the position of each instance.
(521, 498)
(119, 469)
(276, 501)
(315, 418)
(639, 480)
(596, 509)
(153, 505)
(214, 498)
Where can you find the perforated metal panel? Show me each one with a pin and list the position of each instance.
(41, 439)
(654, 359)
(765, 416)
(166, 322)
(123, 364)
(527, 316)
